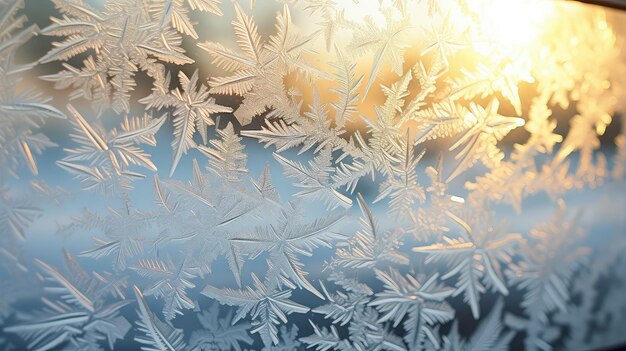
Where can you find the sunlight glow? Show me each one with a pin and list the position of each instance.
(513, 22)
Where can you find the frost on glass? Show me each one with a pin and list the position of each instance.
(303, 174)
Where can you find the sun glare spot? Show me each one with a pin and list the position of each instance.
(513, 22)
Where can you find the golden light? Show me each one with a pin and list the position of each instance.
(513, 22)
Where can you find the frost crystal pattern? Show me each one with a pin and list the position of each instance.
(312, 174)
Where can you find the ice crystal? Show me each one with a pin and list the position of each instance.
(488, 335)
(314, 180)
(388, 43)
(192, 111)
(227, 159)
(22, 110)
(258, 72)
(170, 282)
(475, 256)
(369, 247)
(125, 39)
(176, 14)
(16, 214)
(550, 264)
(123, 230)
(287, 239)
(479, 141)
(156, 335)
(365, 333)
(219, 333)
(103, 158)
(421, 303)
(81, 316)
(267, 306)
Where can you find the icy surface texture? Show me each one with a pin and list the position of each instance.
(322, 174)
